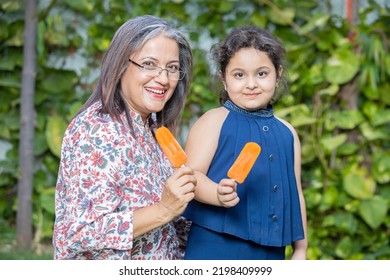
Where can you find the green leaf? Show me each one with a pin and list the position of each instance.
(344, 221)
(384, 90)
(381, 117)
(333, 142)
(371, 133)
(83, 6)
(11, 81)
(46, 200)
(315, 73)
(102, 44)
(308, 153)
(347, 149)
(381, 167)
(347, 119)
(358, 184)
(225, 6)
(74, 108)
(315, 21)
(329, 198)
(302, 119)
(331, 90)
(300, 114)
(8, 63)
(55, 130)
(313, 198)
(59, 81)
(374, 211)
(40, 144)
(285, 16)
(345, 247)
(5, 132)
(341, 67)
(258, 19)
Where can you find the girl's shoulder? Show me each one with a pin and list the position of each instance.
(213, 116)
(289, 126)
(209, 123)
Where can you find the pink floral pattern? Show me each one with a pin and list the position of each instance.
(105, 174)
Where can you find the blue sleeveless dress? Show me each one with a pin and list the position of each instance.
(268, 216)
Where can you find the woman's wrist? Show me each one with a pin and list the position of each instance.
(164, 216)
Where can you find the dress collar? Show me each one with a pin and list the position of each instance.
(266, 112)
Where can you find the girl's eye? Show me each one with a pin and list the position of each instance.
(239, 75)
(262, 74)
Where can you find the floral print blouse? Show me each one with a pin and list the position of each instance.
(106, 174)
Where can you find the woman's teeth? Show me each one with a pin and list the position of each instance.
(156, 91)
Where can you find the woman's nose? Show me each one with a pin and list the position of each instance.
(163, 77)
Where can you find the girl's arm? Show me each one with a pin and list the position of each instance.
(200, 148)
(299, 247)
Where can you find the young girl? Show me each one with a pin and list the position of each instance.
(260, 217)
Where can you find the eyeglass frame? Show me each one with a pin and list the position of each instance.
(142, 67)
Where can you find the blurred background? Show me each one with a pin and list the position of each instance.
(338, 65)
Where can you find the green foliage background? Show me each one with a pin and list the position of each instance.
(339, 101)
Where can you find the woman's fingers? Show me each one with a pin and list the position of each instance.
(179, 190)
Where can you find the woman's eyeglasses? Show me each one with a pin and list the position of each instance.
(154, 71)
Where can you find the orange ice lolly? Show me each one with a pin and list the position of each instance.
(170, 147)
(244, 162)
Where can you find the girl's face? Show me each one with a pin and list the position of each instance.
(250, 79)
(146, 94)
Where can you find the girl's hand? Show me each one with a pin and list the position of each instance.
(299, 255)
(227, 193)
(178, 192)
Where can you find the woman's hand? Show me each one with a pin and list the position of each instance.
(178, 192)
(227, 193)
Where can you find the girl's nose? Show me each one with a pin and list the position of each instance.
(252, 83)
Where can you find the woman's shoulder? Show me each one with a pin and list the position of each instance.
(91, 122)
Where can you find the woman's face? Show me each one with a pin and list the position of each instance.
(145, 94)
(250, 79)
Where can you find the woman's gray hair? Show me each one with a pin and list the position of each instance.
(129, 39)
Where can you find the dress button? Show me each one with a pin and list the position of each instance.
(274, 218)
(275, 188)
(265, 128)
(271, 157)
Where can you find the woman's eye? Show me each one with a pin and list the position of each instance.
(148, 63)
(173, 68)
(262, 74)
(239, 75)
